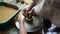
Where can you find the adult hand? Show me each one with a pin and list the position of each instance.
(29, 8)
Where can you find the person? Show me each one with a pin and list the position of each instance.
(39, 7)
(21, 20)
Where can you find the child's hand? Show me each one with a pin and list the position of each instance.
(21, 18)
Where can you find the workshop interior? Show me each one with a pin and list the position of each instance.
(44, 19)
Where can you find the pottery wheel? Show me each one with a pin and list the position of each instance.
(37, 24)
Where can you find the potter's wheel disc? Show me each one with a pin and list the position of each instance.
(32, 27)
(28, 27)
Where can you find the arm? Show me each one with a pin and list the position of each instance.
(34, 3)
(22, 28)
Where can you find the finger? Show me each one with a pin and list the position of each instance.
(28, 8)
(32, 12)
(24, 11)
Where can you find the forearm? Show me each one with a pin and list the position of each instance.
(30, 6)
(33, 3)
(22, 29)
